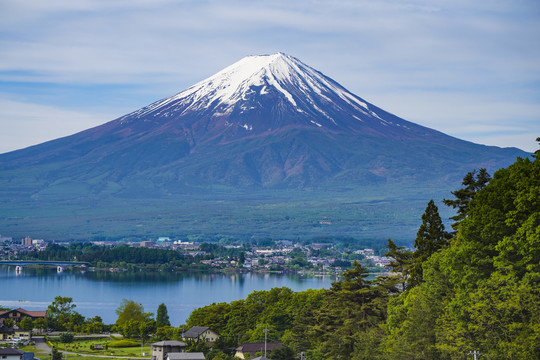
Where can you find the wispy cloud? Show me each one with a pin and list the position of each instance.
(382, 50)
(26, 124)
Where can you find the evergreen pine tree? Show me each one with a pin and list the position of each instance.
(473, 182)
(431, 237)
(162, 317)
(401, 264)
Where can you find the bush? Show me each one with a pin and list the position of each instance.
(123, 343)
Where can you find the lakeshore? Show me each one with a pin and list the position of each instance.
(100, 292)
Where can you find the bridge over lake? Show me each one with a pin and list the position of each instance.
(60, 265)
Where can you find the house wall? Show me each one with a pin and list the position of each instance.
(209, 336)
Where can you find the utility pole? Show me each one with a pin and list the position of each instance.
(265, 336)
(474, 354)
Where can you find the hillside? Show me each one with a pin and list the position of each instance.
(267, 147)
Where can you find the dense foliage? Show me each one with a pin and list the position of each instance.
(482, 291)
(104, 255)
(476, 291)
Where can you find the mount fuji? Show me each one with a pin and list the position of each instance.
(265, 130)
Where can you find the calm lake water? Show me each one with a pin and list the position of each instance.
(100, 292)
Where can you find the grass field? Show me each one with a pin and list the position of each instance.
(79, 348)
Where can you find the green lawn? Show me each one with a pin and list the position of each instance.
(83, 347)
(37, 353)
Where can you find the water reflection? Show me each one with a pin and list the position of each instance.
(100, 292)
(153, 276)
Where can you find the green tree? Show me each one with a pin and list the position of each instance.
(130, 328)
(494, 267)
(145, 329)
(94, 325)
(41, 324)
(352, 307)
(197, 346)
(61, 314)
(430, 238)
(56, 355)
(66, 338)
(26, 324)
(473, 182)
(8, 323)
(130, 310)
(162, 317)
(412, 316)
(285, 353)
(502, 320)
(402, 261)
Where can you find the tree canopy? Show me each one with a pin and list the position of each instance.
(478, 290)
(162, 316)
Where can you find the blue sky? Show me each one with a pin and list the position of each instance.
(470, 69)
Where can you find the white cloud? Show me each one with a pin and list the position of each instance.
(26, 124)
(429, 62)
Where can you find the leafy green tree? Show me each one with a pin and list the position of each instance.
(412, 316)
(8, 323)
(473, 182)
(431, 237)
(26, 324)
(162, 317)
(197, 346)
(258, 333)
(502, 320)
(494, 266)
(61, 314)
(130, 310)
(225, 344)
(75, 322)
(285, 353)
(130, 328)
(220, 355)
(167, 333)
(41, 324)
(94, 325)
(145, 329)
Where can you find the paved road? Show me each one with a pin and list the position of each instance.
(41, 344)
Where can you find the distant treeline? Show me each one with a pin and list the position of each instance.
(111, 255)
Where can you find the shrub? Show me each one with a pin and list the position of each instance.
(123, 343)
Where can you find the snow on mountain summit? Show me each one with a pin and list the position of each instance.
(267, 92)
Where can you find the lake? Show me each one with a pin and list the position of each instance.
(101, 292)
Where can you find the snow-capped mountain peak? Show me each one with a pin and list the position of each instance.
(264, 93)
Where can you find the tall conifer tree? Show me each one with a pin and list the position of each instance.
(401, 264)
(162, 316)
(431, 237)
(473, 182)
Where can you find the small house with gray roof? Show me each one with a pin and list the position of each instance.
(200, 333)
(160, 350)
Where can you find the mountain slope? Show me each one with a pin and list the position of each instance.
(265, 123)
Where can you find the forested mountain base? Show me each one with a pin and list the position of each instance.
(477, 289)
